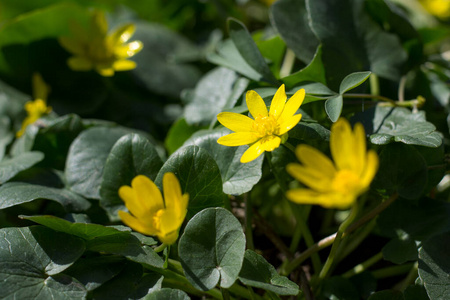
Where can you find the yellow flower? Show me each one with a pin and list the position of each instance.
(267, 129)
(98, 50)
(151, 214)
(334, 185)
(439, 8)
(37, 108)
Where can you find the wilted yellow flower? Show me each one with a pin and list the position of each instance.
(150, 214)
(38, 107)
(267, 129)
(96, 49)
(439, 8)
(338, 184)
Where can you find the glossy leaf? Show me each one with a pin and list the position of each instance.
(10, 167)
(15, 193)
(400, 250)
(32, 259)
(434, 266)
(333, 107)
(212, 249)
(179, 133)
(129, 284)
(167, 294)
(199, 176)
(352, 81)
(339, 288)
(257, 272)
(248, 49)
(130, 156)
(237, 178)
(217, 90)
(87, 157)
(290, 19)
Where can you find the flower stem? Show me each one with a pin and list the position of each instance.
(330, 239)
(288, 63)
(339, 235)
(160, 248)
(289, 146)
(392, 271)
(248, 222)
(363, 266)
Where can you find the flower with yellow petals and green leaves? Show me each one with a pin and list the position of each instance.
(338, 184)
(150, 214)
(438, 8)
(37, 108)
(95, 49)
(268, 129)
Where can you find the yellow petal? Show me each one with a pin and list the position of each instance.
(238, 139)
(252, 152)
(342, 144)
(136, 224)
(235, 122)
(128, 50)
(306, 196)
(172, 192)
(99, 24)
(359, 152)
(122, 34)
(71, 45)
(292, 105)
(289, 123)
(310, 176)
(147, 193)
(105, 71)
(270, 143)
(278, 101)
(78, 63)
(40, 88)
(256, 104)
(313, 158)
(370, 168)
(124, 65)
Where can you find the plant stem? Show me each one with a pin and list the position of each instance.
(330, 239)
(225, 293)
(288, 63)
(401, 89)
(339, 235)
(392, 271)
(248, 222)
(357, 239)
(160, 248)
(363, 266)
(374, 84)
(289, 146)
(410, 278)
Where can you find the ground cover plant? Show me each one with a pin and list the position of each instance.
(248, 149)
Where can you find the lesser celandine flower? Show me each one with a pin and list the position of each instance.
(439, 8)
(98, 50)
(150, 214)
(38, 107)
(267, 129)
(338, 184)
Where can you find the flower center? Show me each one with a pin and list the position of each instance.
(346, 182)
(157, 219)
(265, 126)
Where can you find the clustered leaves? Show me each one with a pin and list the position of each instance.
(301, 153)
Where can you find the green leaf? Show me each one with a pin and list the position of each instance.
(129, 284)
(130, 156)
(48, 22)
(310, 132)
(353, 80)
(248, 49)
(167, 294)
(434, 266)
(179, 133)
(237, 178)
(159, 68)
(290, 19)
(257, 272)
(199, 176)
(217, 90)
(400, 250)
(15, 193)
(339, 288)
(10, 167)
(314, 71)
(272, 49)
(401, 125)
(333, 107)
(387, 295)
(87, 157)
(92, 272)
(419, 221)
(31, 259)
(212, 249)
(416, 292)
(402, 169)
(229, 56)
